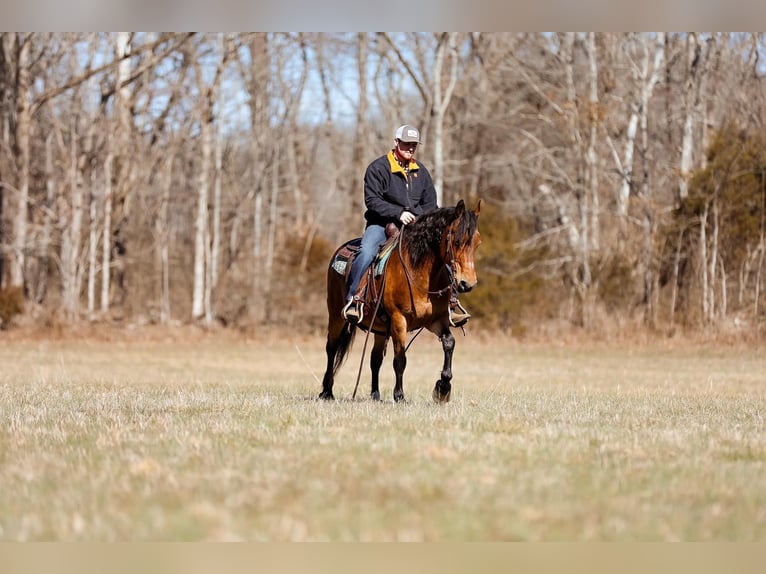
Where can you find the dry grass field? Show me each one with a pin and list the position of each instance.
(176, 437)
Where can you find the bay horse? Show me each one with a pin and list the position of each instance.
(434, 256)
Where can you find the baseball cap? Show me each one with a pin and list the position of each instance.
(407, 133)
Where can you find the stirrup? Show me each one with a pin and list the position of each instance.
(352, 312)
(458, 316)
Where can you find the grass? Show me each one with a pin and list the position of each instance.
(214, 439)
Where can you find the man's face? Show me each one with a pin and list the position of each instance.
(406, 150)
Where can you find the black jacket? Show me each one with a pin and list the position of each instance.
(388, 190)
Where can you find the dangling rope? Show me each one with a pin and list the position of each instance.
(372, 320)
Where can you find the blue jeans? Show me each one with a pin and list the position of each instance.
(374, 236)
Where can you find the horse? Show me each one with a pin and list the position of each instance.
(433, 258)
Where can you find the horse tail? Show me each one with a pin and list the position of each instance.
(345, 340)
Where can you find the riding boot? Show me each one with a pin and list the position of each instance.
(458, 316)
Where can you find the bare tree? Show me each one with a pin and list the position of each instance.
(23, 128)
(645, 77)
(70, 215)
(253, 62)
(291, 92)
(208, 92)
(72, 210)
(361, 154)
(122, 103)
(446, 48)
(697, 61)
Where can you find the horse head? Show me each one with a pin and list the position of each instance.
(459, 245)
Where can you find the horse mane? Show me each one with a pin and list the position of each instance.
(423, 237)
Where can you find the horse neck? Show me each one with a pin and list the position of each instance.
(433, 264)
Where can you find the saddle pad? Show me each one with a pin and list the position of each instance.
(382, 257)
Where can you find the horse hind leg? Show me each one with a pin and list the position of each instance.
(328, 380)
(339, 339)
(443, 387)
(376, 360)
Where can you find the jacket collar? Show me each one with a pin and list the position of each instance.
(395, 167)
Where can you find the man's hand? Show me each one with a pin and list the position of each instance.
(407, 217)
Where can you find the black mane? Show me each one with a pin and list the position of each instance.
(423, 237)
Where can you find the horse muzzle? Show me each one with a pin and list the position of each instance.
(464, 286)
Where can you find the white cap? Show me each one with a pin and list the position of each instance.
(408, 134)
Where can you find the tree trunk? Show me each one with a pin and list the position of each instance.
(650, 279)
(446, 48)
(92, 248)
(23, 128)
(202, 273)
(120, 141)
(758, 275)
(47, 230)
(712, 263)
(697, 63)
(106, 242)
(70, 246)
(201, 222)
(271, 231)
(646, 77)
(163, 239)
(704, 263)
(215, 246)
(361, 148)
(676, 265)
(761, 253)
(591, 156)
(7, 48)
(258, 308)
(256, 76)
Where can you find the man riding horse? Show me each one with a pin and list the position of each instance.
(397, 189)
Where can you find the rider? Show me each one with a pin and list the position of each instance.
(397, 189)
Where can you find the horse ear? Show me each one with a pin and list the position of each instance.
(459, 209)
(478, 207)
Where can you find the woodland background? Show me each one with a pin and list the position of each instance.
(201, 178)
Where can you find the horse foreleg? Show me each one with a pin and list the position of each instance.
(376, 360)
(443, 387)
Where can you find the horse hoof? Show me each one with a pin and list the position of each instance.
(440, 398)
(375, 396)
(399, 399)
(326, 396)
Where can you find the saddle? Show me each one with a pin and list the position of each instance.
(368, 290)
